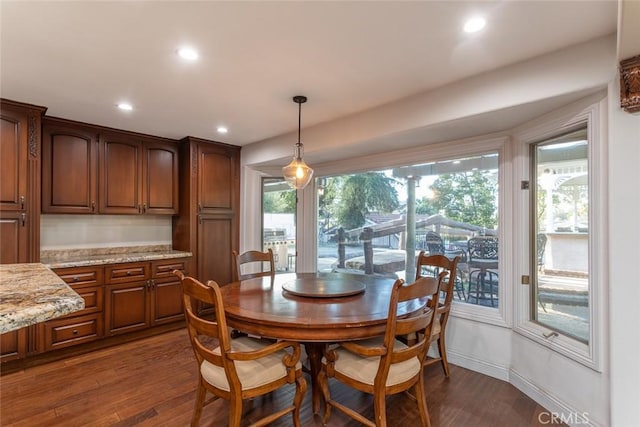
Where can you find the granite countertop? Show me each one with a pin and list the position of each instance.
(32, 293)
(100, 256)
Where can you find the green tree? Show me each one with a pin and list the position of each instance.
(364, 193)
(327, 197)
(279, 202)
(469, 197)
(424, 206)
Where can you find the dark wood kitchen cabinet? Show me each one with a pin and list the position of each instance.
(81, 326)
(20, 343)
(160, 178)
(126, 291)
(141, 295)
(138, 175)
(13, 345)
(20, 143)
(118, 299)
(166, 296)
(14, 243)
(69, 167)
(208, 224)
(90, 169)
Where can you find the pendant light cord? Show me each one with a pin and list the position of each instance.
(299, 125)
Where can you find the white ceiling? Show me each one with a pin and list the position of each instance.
(80, 59)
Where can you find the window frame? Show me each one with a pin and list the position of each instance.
(589, 354)
(498, 143)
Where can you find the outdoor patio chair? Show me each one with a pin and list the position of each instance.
(483, 269)
(435, 246)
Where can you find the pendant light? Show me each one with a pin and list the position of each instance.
(297, 173)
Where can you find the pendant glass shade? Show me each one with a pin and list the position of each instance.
(297, 174)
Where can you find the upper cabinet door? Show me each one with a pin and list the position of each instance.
(69, 169)
(13, 155)
(160, 183)
(217, 179)
(120, 175)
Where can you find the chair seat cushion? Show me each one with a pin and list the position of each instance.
(436, 330)
(364, 369)
(252, 373)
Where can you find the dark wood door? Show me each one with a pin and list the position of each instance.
(160, 183)
(120, 175)
(217, 179)
(166, 301)
(13, 345)
(215, 242)
(13, 161)
(69, 169)
(127, 307)
(13, 244)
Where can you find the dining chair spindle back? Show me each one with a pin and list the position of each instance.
(385, 365)
(237, 369)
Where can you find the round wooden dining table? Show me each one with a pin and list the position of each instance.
(314, 309)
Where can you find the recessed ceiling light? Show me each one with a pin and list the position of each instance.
(222, 129)
(188, 53)
(125, 106)
(474, 24)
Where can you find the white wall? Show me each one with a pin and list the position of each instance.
(624, 260)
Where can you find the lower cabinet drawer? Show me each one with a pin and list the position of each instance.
(65, 332)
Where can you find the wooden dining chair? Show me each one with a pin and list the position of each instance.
(435, 265)
(237, 369)
(385, 365)
(255, 260)
(250, 259)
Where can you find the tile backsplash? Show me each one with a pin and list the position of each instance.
(102, 231)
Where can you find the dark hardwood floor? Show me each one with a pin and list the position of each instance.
(152, 382)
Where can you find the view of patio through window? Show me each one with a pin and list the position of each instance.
(561, 241)
(279, 223)
(377, 222)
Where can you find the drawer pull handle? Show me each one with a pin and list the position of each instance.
(75, 332)
(128, 273)
(76, 278)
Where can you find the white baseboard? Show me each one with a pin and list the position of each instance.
(477, 365)
(553, 405)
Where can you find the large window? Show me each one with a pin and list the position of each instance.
(376, 222)
(560, 240)
(562, 230)
(279, 222)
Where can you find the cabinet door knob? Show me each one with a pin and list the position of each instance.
(75, 332)
(128, 273)
(22, 201)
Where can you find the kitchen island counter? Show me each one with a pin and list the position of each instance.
(32, 293)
